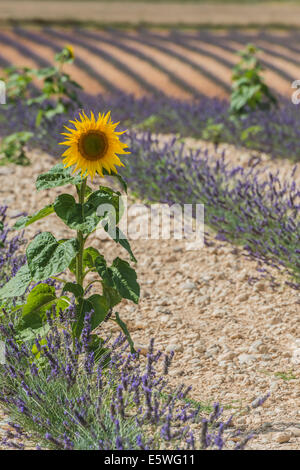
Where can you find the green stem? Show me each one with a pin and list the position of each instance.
(92, 282)
(80, 238)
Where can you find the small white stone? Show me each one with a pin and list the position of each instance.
(189, 285)
(246, 358)
(174, 347)
(294, 431)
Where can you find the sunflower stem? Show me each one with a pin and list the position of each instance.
(80, 238)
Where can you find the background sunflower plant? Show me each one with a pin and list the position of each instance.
(93, 145)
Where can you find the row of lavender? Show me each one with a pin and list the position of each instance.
(259, 213)
(276, 132)
(68, 400)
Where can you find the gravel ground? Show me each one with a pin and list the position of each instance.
(234, 341)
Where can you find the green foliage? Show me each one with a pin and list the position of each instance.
(213, 132)
(41, 299)
(17, 80)
(57, 176)
(248, 135)
(121, 277)
(249, 91)
(48, 257)
(12, 148)
(286, 376)
(30, 219)
(58, 91)
(17, 286)
(84, 217)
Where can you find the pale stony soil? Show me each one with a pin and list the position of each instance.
(234, 340)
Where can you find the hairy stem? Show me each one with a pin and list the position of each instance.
(80, 238)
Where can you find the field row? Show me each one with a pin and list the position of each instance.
(179, 64)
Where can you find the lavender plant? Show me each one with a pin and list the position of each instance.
(11, 258)
(247, 206)
(75, 403)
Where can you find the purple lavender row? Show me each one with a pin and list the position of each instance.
(100, 78)
(11, 259)
(150, 39)
(250, 207)
(24, 50)
(245, 39)
(222, 43)
(137, 53)
(75, 403)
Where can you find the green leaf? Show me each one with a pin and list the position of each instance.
(84, 217)
(74, 288)
(121, 276)
(39, 301)
(124, 328)
(30, 219)
(1, 226)
(90, 255)
(118, 236)
(119, 177)
(100, 307)
(101, 268)
(57, 176)
(124, 279)
(111, 295)
(95, 302)
(17, 286)
(47, 257)
(83, 307)
(29, 334)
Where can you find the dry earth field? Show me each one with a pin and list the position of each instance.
(283, 13)
(179, 63)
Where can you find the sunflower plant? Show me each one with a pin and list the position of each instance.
(93, 148)
(58, 91)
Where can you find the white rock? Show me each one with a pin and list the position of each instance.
(254, 348)
(164, 318)
(246, 358)
(296, 356)
(174, 347)
(189, 285)
(294, 431)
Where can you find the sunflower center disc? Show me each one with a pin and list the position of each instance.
(93, 145)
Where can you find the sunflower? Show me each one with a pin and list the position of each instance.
(70, 50)
(93, 145)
